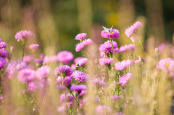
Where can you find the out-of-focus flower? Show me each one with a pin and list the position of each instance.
(133, 28)
(114, 98)
(82, 44)
(27, 59)
(78, 87)
(81, 36)
(140, 59)
(2, 63)
(125, 78)
(3, 45)
(80, 76)
(106, 48)
(4, 53)
(67, 80)
(123, 65)
(105, 61)
(39, 61)
(82, 61)
(24, 35)
(34, 46)
(63, 69)
(65, 57)
(165, 64)
(99, 82)
(127, 48)
(26, 75)
(43, 72)
(50, 59)
(110, 33)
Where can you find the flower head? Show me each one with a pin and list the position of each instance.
(43, 72)
(63, 69)
(27, 59)
(3, 45)
(67, 80)
(78, 87)
(81, 61)
(105, 61)
(133, 28)
(82, 44)
(127, 48)
(106, 48)
(123, 65)
(65, 57)
(4, 53)
(26, 75)
(110, 33)
(165, 64)
(2, 63)
(24, 34)
(80, 76)
(81, 36)
(125, 78)
(34, 46)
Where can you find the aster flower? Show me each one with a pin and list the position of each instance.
(26, 75)
(61, 87)
(82, 44)
(24, 35)
(3, 45)
(82, 61)
(34, 46)
(39, 61)
(4, 53)
(2, 63)
(106, 48)
(99, 82)
(110, 33)
(43, 72)
(123, 65)
(105, 61)
(63, 69)
(67, 80)
(165, 64)
(133, 28)
(81, 36)
(78, 87)
(80, 76)
(65, 57)
(125, 78)
(127, 48)
(27, 59)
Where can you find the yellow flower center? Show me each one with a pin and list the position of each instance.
(167, 65)
(108, 45)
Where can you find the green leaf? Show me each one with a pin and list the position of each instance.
(107, 30)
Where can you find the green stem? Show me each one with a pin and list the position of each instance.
(141, 44)
(112, 45)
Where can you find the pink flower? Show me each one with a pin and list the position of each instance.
(65, 57)
(166, 64)
(24, 35)
(2, 63)
(105, 61)
(43, 72)
(140, 59)
(34, 46)
(106, 48)
(67, 80)
(112, 33)
(81, 36)
(123, 65)
(125, 78)
(82, 44)
(82, 61)
(127, 48)
(63, 69)
(133, 28)
(26, 75)
(80, 76)
(78, 87)
(27, 59)
(100, 83)
(50, 59)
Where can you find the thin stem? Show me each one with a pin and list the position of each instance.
(112, 45)
(141, 44)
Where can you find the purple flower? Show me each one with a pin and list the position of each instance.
(105, 61)
(106, 48)
(67, 80)
(114, 98)
(78, 87)
(112, 33)
(32, 86)
(133, 28)
(123, 65)
(34, 46)
(24, 34)
(165, 64)
(65, 57)
(82, 61)
(99, 82)
(82, 44)
(81, 36)
(127, 48)
(63, 69)
(125, 78)
(43, 72)
(61, 87)
(4, 53)
(3, 45)
(2, 63)
(26, 75)
(80, 76)
(39, 61)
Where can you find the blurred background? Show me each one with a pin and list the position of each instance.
(57, 22)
